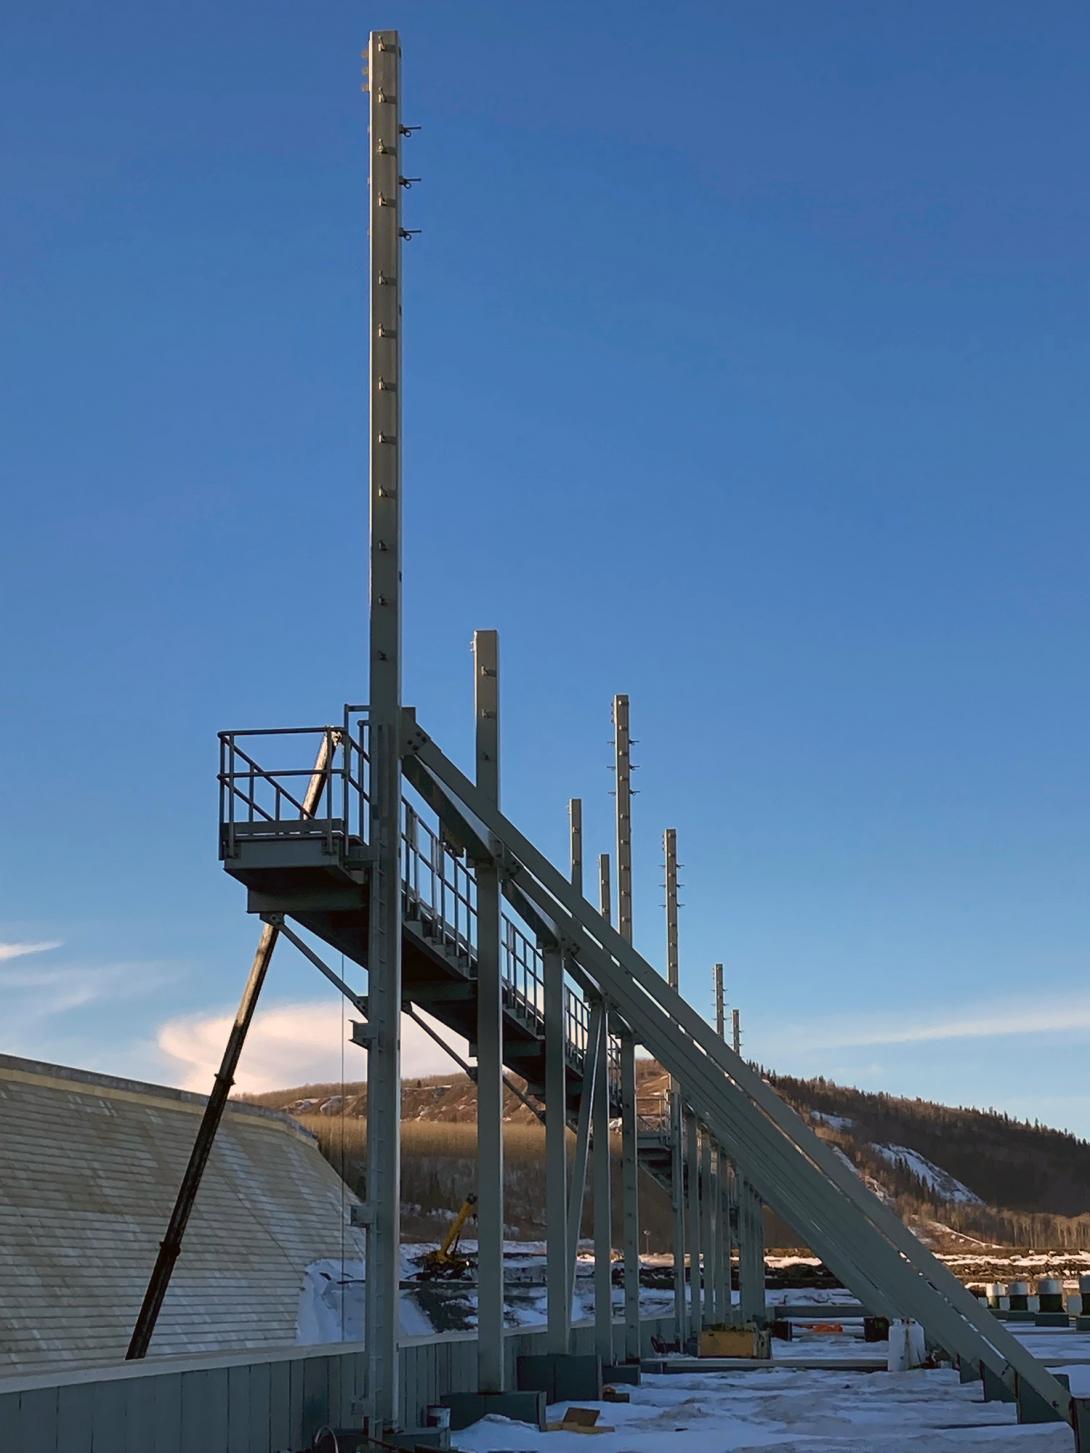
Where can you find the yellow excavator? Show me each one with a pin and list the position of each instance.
(446, 1262)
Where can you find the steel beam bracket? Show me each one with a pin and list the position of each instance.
(362, 1034)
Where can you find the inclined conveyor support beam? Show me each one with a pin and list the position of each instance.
(787, 1163)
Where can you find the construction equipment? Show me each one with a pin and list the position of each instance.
(446, 1262)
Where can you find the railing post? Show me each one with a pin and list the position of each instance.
(384, 936)
(490, 1359)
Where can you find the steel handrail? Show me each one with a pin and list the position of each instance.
(439, 887)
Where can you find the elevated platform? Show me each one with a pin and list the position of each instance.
(316, 871)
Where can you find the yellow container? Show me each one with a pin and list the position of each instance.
(748, 1341)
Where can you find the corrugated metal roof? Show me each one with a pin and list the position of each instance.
(89, 1167)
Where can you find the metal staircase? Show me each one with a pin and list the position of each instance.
(314, 869)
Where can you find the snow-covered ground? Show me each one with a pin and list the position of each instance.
(790, 1410)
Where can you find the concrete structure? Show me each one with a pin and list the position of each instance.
(89, 1165)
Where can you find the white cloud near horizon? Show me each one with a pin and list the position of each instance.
(290, 1044)
(19, 950)
(35, 996)
(1056, 1017)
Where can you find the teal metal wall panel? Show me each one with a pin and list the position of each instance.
(253, 1403)
(168, 1412)
(239, 1411)
(73, 1418)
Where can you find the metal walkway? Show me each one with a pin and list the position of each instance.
(314, 869)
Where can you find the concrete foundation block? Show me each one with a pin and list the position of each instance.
(1082, 1324)
(625, 1373)
(469, 1407)
(1019, 1315)
(995, 1389)
(1052, 1319)
(561, 1376)
(1080, 1422)
(1032, 1407)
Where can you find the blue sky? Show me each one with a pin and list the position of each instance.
(746, 359)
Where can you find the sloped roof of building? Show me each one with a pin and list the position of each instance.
(89, 1167)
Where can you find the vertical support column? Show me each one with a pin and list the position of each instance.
(677, 1161)
(707, 1231)
(715, 1278)
(751, 1262)
(605, 892)
(730, 1216)
(692, 1160)
(739, 1201)
(603, 1200)
(721, 1253)
(558, 1155)
(557, 1273)
(577, 1181)
(575, 824)
(629, 1172)
(629, 1182)
(382, 1307)
(751, 1229)
(622, 760)
(490, 1368)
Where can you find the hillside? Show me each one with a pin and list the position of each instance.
(959, 1176)
(978, 1172)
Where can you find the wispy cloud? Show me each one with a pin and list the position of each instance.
(19, 950)
(290, 1044)
(36, 996)
(1057, 1015)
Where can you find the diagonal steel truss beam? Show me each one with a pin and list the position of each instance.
(788, 1163)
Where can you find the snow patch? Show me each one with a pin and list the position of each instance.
(331, 1304)
(944, 1185)
(834, 1122)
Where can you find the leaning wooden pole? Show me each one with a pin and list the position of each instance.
(171, 1245)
